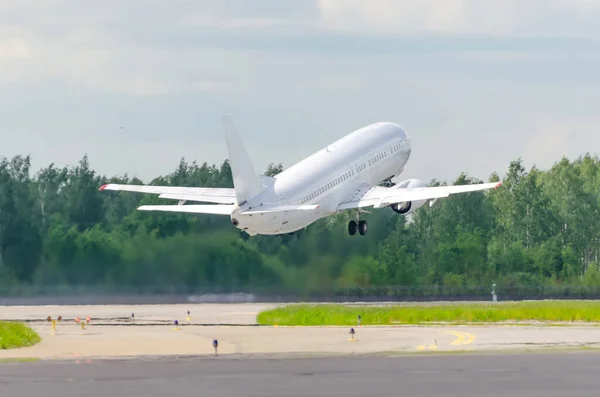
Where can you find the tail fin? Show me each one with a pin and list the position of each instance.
(245, 180)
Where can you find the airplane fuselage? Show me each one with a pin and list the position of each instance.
(368, 155)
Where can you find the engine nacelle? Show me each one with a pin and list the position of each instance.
(410, 206)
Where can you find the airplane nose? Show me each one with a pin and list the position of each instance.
(402, 132)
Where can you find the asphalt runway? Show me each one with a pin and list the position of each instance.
(112, 333)
(531, 375)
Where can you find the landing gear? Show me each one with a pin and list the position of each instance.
(359, 225)
(387, 182)
(352, 227)
(362, 227)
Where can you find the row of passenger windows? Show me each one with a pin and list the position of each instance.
(329, 186)
(349, 174)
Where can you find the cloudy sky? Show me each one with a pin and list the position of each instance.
(138, 84)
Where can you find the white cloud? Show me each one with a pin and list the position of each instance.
(464, 17)
(157, 48)
(94, 60)
(296, 74)
(14, 48)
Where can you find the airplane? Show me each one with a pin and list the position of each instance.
(348, 174)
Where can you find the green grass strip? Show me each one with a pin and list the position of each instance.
(15, 335)
(333, 314)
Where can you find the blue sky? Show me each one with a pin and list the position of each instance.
(477, 83)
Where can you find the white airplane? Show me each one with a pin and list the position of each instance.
(343, 176)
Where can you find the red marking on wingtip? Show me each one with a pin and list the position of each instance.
(103, 187)
(498, 185)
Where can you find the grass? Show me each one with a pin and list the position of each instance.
(19, 360)
(331, 315)
(15, 335)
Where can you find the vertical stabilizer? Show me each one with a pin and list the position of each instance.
(245, 180)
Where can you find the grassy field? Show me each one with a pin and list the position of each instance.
(548, 311)
(15, 335)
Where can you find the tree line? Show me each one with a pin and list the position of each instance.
(540, 229)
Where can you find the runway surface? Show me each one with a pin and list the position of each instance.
(531, 375)
(112, 333)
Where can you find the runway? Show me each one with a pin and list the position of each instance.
(117, 354)
(531, 375)
(113, 333)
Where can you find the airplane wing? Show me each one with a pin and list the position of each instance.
(201, 194)
(224, 197)
(379, 196)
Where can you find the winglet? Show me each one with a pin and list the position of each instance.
(498, 185)
(103, 187)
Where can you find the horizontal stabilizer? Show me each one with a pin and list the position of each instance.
(215, 209)
(198, 198)
(280, 208)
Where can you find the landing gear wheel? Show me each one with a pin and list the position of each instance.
(352, 227)
(362, 227)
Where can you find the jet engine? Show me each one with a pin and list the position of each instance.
(409, 206)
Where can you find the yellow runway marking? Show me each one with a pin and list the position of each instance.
(463, 338)
(433, 346)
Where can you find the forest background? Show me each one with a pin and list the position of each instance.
(536, 236)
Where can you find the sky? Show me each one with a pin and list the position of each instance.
(139, 84)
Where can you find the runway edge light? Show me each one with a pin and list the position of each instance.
(352, 332)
